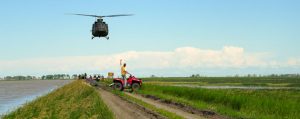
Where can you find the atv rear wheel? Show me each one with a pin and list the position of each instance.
(135, 86)
(118, 86)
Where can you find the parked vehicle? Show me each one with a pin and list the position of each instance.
(132, 83)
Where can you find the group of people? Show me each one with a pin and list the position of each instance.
(95, 77)
(98, 77)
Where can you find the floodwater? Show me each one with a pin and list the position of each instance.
(238, 87)
(15, 93)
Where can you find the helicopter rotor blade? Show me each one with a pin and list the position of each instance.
(118, 15)
(85, 15)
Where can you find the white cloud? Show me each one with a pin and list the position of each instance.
(180, 58)
(294, 62)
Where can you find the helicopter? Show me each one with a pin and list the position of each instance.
(100, 28)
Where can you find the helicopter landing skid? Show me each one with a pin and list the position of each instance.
(107, 38)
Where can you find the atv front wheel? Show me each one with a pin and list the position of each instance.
(135, 86)
(118, 86)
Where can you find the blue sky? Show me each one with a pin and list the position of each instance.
(36, 29)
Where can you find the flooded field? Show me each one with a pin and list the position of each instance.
(16, 93)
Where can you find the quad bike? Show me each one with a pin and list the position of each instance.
(133, 83)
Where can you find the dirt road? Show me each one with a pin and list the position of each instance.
(160, 105)
(125, 110)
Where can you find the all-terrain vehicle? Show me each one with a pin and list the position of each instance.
(132, 83)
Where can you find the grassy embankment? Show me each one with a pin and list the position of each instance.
(75, 100)
(233, 103)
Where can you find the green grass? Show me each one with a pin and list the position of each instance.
(233, 103)
(75, 101)
(233, 81)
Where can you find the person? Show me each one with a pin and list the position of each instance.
(123, 72)
(85, 76)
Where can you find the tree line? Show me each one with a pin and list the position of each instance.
(254, 75)
(44, 77)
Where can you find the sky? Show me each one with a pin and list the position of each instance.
(163, 38)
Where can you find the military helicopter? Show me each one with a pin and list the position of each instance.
(100, 28)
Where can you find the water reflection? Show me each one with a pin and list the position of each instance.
(15, 93)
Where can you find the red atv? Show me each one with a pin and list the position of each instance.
(132, 83)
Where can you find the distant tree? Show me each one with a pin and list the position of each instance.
(195, 75)
(74, 76)
(49, 77)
